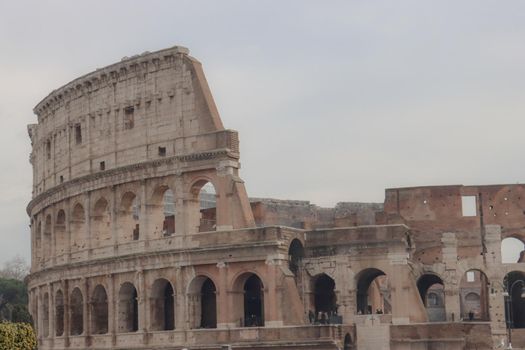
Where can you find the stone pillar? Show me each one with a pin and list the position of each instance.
(67, 222)
(87, 215)
(143, 218)
(271, 318)
(52, 311)
(141, 292)
(224, 198)
(112, 309)
(67, 315)
(451, 288)
(222, 297)
(180, 302)
(40, 312)
(178, 193)
(114, 216)
(84, 285)
(52, 251)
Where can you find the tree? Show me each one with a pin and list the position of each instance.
(13, 299)
(15, 268)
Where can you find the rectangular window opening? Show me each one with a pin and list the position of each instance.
(162, 151)
(61, 178)
(471, 277)
(468, 205)
(102, 166)
(78, 134)
(129, 118)
(48, 149)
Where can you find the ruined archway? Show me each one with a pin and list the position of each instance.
(99, 310)
(59, 313)
(162, 305)
(295, 256)
(514, 283)
(373, 292)
(431, 291)
(128, 315)
(129, 218)
(325, 299)
(162, 211)
(60, 233)
(202, 303)
(78, 228)
(76, 307)
(47, 240)
(348, 343)
(101, 224)
(474, 296)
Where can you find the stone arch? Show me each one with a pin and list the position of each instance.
(373, 291)
(78, 228)
(202, 303)
(431, 290)
(101, 223)
(59, 313)
(475, 282)
(202, 209)
(128, 310)
(76, 311)
(248, 291)
(129, 217)
(45, 315)
(512, 250)
(514, 283)
(324, 297)
(295, 256)
(47, 239)
(162, 305)
(161, 209)
(60, 233)
(99, 310)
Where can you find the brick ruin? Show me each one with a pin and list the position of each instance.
(143, 236)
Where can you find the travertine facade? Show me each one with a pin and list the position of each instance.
(143, 236)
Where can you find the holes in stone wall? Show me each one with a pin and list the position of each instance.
(162, 151)
(102, 166)
(129, 117)
(78, 133)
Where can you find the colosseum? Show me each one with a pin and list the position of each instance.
(144, 237)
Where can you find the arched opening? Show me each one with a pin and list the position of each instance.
(514, 283)
(76, 312)
(202, 303)
(60, 233)
(348, 344)
(511, 250)
(474, 297)
(253, 302)
(202, 208)
(129, 218)
(38, 242)
(128, 315)
(295, 256)
(101, 224)
(45, 315)
(161, 210)
(431, 291)
(99, 310)
(47, 238)
(59, 313)
(325, 300)
(373, 292)
(162, 306)
(78, 228)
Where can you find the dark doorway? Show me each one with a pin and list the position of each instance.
(324, 294)
(253, 302)
(432, 295)
(128, 309)
(59, 313)
(295, 256)
(77, 312)
(514, 283)
(208, 305)
(99, 311)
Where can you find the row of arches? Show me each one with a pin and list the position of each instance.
(59, 235)
(201, 301)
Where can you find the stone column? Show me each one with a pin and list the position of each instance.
(141, 292)
(180, 302)
(67, 315)
(222, 297)
(143, 219)
(114, 216)
(87, 215)
(53, 237)
(52, 311)
(180, 218)
(112, 308)
(271, 317)
(84, 285)
(450, 259)
(67, 222)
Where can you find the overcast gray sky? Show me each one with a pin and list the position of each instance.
(334, 100)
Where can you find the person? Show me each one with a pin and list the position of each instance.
(311, 316)
(470, 315)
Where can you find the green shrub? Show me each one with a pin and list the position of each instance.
(17, 336)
